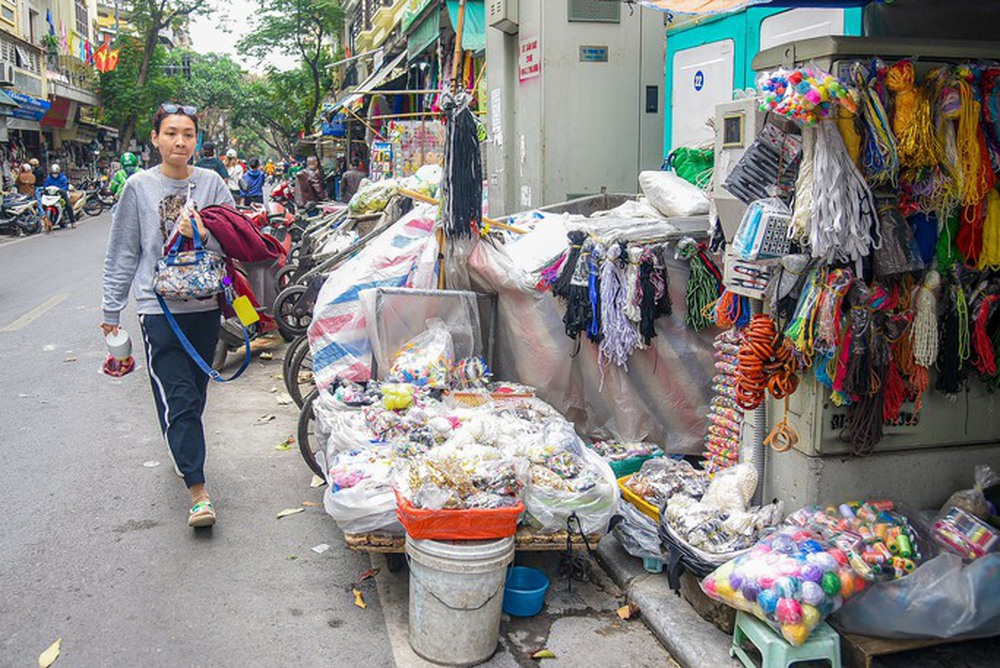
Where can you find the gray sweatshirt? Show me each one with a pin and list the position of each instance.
(143, 221)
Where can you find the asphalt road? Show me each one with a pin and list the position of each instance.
(95, 546)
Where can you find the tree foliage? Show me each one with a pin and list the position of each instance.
(303, 28)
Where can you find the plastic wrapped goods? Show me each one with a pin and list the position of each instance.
(373, 197)
(427, 359)
(659, 479)
(944, 598)
(792, 580)
(565, 483)
(673, 196)
(972, 500)
(360, 496)
(717, 531)
(638, 533)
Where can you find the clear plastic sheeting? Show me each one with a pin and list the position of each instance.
(638, 534)
(402, 256)
(393, 317)
(943, 598)
(664, 394)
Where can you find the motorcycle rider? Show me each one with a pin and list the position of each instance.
(130, 165)
(61, 181)
(26, 181)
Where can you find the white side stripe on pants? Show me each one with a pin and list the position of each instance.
(163, 394)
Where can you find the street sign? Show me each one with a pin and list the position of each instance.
(699, 80)
(529, 63)
(593, 54)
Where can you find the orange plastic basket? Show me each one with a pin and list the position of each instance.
(645, 507)
(469, 524)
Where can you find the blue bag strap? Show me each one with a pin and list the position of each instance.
(198, 244)
(193, 354)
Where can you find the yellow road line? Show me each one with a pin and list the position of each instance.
(36, 313)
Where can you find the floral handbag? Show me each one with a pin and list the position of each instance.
(194, 274)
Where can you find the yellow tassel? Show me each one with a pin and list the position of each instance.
(847, 124)
(975, 174)
(989, 258)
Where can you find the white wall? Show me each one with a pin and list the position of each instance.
(579, 126)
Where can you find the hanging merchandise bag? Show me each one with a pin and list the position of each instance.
(768, 168)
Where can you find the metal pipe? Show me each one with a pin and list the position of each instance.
(759, 451)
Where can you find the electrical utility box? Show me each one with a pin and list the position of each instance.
(502, 15)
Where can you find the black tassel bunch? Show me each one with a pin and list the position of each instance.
(560, 287)
(462, 184)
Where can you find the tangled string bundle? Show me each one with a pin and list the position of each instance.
(880, 156)
(462, 185)
(756, 351)
(621, 335)
(704, 283)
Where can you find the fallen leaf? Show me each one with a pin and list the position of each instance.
(267, 356)
(316, 482)
(284, 399)
(310, 504)
(321, 548)
(69, 359)
(628, 611)
(543, 654)
(278, 376)
(292, 557)
(359, 600)
(282, 446)
(290, 511)
(49, 656)
(367, 575)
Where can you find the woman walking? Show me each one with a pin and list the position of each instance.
(153, 206)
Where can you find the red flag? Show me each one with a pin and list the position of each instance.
(112, 60)
(101, 57)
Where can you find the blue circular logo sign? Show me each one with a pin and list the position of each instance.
(699, 80)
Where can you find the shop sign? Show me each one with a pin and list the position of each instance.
(380, 159)
(699, 80)
(31, 109)
(529, 63)
(593, 54)
(412, 12)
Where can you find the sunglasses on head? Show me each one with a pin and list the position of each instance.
(185, 109)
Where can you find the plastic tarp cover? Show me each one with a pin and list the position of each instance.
(638, 534)
(663, 396)
(402, 256)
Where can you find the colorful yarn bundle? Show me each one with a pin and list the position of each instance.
(704, 283)
(879, 156)
(621, 335)
(806, 95)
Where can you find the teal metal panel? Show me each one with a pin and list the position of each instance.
(744, 29)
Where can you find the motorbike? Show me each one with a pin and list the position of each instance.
(53, 206)
(19, 215)
(99, 196)
(284, 195)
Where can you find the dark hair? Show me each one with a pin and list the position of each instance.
(161, 114)
(254, 163)
(208, 148)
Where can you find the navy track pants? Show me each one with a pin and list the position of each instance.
(180, 388)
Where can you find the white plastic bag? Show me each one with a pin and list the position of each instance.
(426, 359)
(673, 196)
(360, 497)
(548, 508)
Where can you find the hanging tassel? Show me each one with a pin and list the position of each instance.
(621, 335)
(983, 357)
(879, 157)
(462, 184)
(560, 287)
(798, 229)
(949, 350)
(651, 289)
(924, 333)
(973, 157)
(989, 257)
(578, 314)
(704, 283)
(970, 233)
(894, 394)
(548, 274)
(594, 288)
(664, 305)
(632, 311)
(947, 252)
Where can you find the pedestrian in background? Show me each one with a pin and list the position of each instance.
(235, 170)
(26, 181)
(154, 205)
(309, 185)
(209, 161)
(350, 181)
(253, 184)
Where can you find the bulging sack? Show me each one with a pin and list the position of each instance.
(672, 196)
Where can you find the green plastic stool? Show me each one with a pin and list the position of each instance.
(823, 644)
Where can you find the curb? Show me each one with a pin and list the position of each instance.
(691, 641)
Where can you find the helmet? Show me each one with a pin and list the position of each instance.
(231, 153)
(129, 159)
(33, 162)
(55, 168)
(25, 167)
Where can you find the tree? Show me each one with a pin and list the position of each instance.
(152, 17)
(124, 102)
(304, 28)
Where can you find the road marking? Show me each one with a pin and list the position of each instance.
(36, 313)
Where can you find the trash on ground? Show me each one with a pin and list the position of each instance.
(543, 654)
(628, 611)
(151, 464)
(359, 600)
(311, 504)
(49, 656)
(267, 356)
(69, 359)
(368, 575)
(290, 511)
(284, 399)
(321, 548)
(316, 481)
(286, 444)
(264, 419)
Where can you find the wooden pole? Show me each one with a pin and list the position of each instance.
(457, 60)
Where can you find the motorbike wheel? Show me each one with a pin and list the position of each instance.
(289, 324)
(286, 362)
(310, 445)
(31, 224)
(93, 207)
(283, 277)
(300, 381)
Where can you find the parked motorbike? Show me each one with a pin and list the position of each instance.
(99, 196)
(19, 215)
(53, 206)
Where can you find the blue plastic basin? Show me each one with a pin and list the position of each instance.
(524, 593)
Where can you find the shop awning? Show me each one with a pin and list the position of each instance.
(7, 104)
(371, 83)
(29, 108)
(474, 31)
(425, 34)
(722, 6)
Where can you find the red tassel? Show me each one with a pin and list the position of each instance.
(894, 395)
